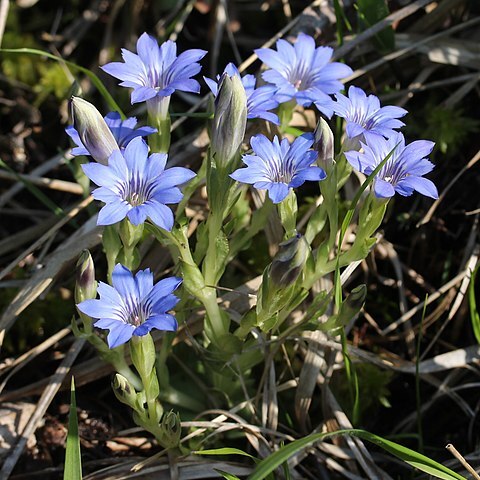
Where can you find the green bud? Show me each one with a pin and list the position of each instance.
(289, 261)
(129, 233)
(143, 354)
(230, 119)
(111, 246)
(171, 429)
(323, 144)
(124, 391)
(352, 305)
(92, 130)
(85, 286)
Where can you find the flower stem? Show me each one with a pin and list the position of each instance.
(210, 267)
(287, 211)
(160, 141)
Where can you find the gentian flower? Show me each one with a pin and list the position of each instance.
(155, 72)
(364, 114)
(123, 131)
(137, 186)
(403, 172)
(303, 72)
(279, 166)
(133, 306)
(259, 100)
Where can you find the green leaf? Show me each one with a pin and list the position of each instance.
(371, 12)
(413, 458)
(472, 303)
(95, 80)
(223, 451)
(73, 460)
(227, 475)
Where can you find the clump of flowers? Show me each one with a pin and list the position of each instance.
(136, 187)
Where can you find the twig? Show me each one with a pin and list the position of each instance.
(444, 288)
(462, 460)
(53, 184)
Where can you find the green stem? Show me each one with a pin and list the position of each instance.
(210, 267)
(194, 282)
(287, 211)
(285, 114)
(160, 142)
(218, 325)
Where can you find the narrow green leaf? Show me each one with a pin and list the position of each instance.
(472, 303)
(413, 458)
(224, 451)
(95, 80)
(73, 460)
(226, 475)
(371, 12)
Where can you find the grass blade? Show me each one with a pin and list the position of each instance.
(472, 303)
(413, 458)
(73, 460)
(223, 451)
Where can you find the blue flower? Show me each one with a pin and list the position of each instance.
(279, 166)
(403, 172)
(156, 71)
(123, 131)
(364, 114)
(133, 306)
(303, 72)
(259, 100)
(137, 186)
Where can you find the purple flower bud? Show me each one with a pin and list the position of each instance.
(289, 261)
(92, 130)
(86, 286)
(124, 391)
(323, 144)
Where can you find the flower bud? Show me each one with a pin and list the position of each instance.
(171, 428)
(230, 119)
(323, 144)
(86, 286)
(92, 130)
(124, 392)
(352, 305)
(289, 261)
(142, 349)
